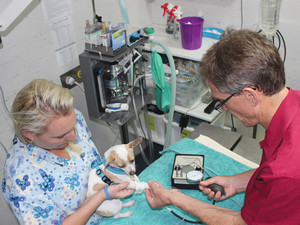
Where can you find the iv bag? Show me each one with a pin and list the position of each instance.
(269, 16)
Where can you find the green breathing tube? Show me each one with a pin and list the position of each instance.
(173, 91)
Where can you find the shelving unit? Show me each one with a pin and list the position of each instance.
(197, 109)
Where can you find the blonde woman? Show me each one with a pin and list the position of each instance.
(46, 171)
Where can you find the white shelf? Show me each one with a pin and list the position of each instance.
(197, 111)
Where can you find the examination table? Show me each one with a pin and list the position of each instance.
(218, 160)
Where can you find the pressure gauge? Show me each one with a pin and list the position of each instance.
(194, 176)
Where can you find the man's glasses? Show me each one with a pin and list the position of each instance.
(221, 103)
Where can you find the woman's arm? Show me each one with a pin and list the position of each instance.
(89, 206)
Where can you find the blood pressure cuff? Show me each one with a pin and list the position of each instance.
(163, 88)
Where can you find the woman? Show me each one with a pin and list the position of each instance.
(46, 172)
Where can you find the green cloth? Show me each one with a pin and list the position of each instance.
(163, 88)
(161, 169)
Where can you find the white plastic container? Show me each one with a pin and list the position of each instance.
(269, 16)
(157, 125)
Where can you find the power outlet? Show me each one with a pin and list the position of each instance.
(75, 73)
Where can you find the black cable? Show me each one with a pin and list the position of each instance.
(183, 219)
(284, 45)
(232, 123)
(189, 221)
(279, 40)
(283, 41)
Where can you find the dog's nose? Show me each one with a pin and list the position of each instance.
(132, 172)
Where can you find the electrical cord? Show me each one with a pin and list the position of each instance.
(232, 123)
(242, 15)
(182, 218)
(3, 101)
(280, 39)
(78, 85)
(115, 133)
(138, 118)
(284, 45)
(195, 106)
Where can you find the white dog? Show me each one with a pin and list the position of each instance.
(117, 166)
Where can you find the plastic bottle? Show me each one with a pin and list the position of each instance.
(87, 31)
(92, 33)
(104, 36)
(269, 16)
(178, 15)
(168, 7)
(109, 33)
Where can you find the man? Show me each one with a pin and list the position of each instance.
(246, 74)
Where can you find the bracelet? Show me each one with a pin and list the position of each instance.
(107, 194)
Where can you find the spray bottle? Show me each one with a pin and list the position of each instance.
(170, 21)
(178, 16)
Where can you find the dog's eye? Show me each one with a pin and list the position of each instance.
(132, 161)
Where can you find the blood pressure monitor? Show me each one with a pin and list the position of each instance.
(194, 176)
(187, 171)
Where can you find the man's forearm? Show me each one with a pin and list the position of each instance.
(207, 213)
(242, 180)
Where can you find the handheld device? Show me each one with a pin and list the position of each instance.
(216, 187)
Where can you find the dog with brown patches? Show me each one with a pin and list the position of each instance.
(117, 166)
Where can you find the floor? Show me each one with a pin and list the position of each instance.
(139, 161)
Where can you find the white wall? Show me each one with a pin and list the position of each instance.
(27, 51)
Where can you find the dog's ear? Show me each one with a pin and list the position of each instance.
(112, 157)
(135, 143)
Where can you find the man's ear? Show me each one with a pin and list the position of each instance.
(28, 134)
(252, 96)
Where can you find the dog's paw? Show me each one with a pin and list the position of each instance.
(123, 215)
(140, 187)
(132, 185)
(128, 204)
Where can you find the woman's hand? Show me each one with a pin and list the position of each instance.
(119, 190)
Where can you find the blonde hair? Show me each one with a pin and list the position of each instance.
(36, 104)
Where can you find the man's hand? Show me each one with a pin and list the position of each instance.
(158, 196)
(221, 180)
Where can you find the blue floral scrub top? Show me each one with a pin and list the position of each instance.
(43, 188)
